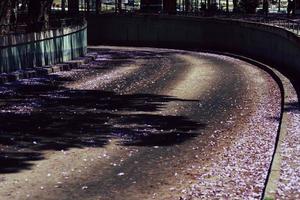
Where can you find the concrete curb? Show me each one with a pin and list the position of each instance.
(46, 70)
(273, 176)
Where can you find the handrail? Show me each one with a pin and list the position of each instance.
(292, 25)
(277, 20)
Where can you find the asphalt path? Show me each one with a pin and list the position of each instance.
(130, 125)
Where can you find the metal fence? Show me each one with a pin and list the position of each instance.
(289, 24)
(20, 51)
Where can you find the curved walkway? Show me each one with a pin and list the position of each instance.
(140, 123)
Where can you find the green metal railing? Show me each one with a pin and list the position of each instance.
(26, 50)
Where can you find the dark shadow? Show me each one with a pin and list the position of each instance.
(275, 119)
(14, 161)
(164, 131)
(292, 107)
(117, 54)
(46, 116)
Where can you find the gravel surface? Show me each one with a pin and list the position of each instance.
(239, 172)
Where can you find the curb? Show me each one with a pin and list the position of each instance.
(273, 175)
(46, 70)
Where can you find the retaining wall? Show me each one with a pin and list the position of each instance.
(20, 51)
(271, 45)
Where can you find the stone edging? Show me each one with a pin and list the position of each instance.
(285, 86)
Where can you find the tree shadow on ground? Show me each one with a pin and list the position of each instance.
(47, 116)
(117, 54)
(292, 107)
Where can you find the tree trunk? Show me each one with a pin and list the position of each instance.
(98, 6)
(87, 3)
(120, 6)
(5, 12)
(235, 5)
(227, 6)
(38, 14)
(73, 6)
(187, 5)
(63, 5)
